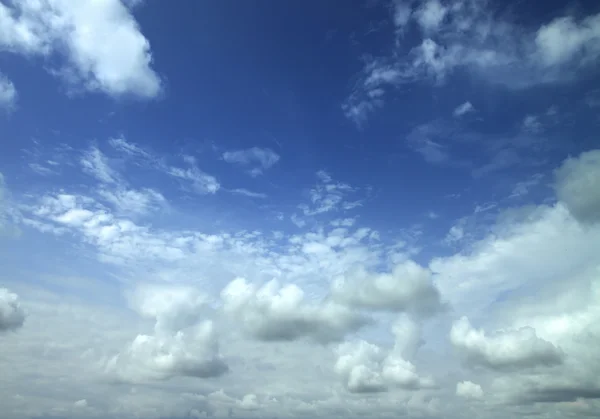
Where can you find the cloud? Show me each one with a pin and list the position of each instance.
(469, 37)
(77, 32)
(368, 368)
(12, 315)
(329, 195)
(469, 390)
(183, 344)
(8, 92)
(96, 164)
(257, 160)
(577, 185)
(162, 357)
(463, 109)
(280, 313)
(131, 201)
(408, 288)
(200, 181)
(520, 348)
(246, 192)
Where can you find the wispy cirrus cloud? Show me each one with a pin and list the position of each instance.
(256, 160)
(468, 36)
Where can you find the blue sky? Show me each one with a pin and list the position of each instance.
(273, 209)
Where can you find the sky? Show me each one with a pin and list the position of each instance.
(269, 209)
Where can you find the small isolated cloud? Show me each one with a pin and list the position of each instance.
(463, 109)
(469, 390)
(255, 159)
(505, 349)
(578, 186)
(12, 315)
(75, 32)
(281, 313)
(409, 288)
(8, 93)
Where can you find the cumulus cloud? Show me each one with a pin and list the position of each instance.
(578, 185)
(368, 368)
(12, 315)
(408, 287)
(182, 344)
(469, 390)
(505, 349)
(80, 32)
(280, 313)
(256, 159)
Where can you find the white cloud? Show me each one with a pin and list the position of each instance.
(183, 344)
(469, 390)
(430, 15)
(8, 92)
(131, 201)
(463, 109)
(96, 164)
(564, 39)
(275, 313)
(408, 287)
(81, 32)
(468, 36)
(246, 192)
(256, 159)
(532, 124)
(519, 348)
(12, 315)
(368, 368)
(329, 195)
(578, 186)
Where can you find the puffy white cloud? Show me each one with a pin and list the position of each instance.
(280, 313)
(82, 32)
(193, 353)
(8, 92)
(578, 186)
(182, 345)
(469, 390)
(367, 368)
(257, 159)
(12, 315)
(519, 348)
(408, 287)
